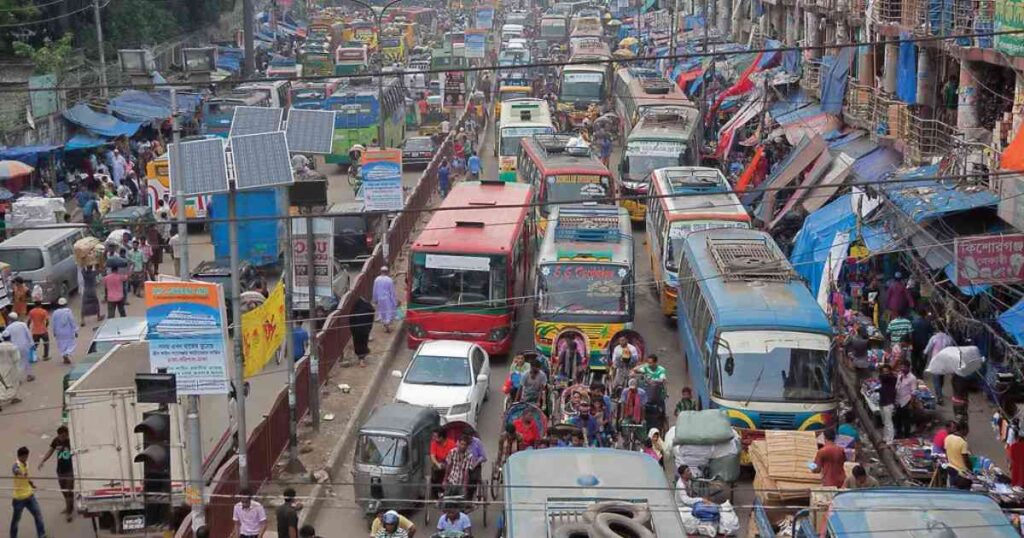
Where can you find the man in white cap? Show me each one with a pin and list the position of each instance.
(21, 337)
(65, 329)
(385, 299)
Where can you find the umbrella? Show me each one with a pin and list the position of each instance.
(5, 194)
(614, 22)
(628, 42)
(9, 169)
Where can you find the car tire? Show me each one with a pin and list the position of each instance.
(487, 394)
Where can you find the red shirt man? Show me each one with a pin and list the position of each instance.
(527, 428)
(829, 462)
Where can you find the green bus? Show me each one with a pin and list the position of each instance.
(359, 112)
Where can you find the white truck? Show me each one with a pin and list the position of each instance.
(103, 411)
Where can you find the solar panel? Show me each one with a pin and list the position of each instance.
(310, 131)
(250, 120)
(200, 166)
(261, 160)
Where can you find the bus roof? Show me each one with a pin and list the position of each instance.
(548, 151)
(749, 284)
(716, 201)
(668, 122)
(900, 511)
(593, 68)
(567, 480)
(526, 112)
(242, 97)
(608, 230)
(487, 230)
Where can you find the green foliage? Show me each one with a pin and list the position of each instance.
(50, 57)
(15, 11)
(136, 23)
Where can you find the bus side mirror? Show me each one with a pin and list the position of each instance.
(682, 159)
(730, 365)
(625, 165)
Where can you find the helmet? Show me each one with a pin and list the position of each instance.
(390, 518)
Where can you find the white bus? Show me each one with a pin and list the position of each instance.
(519, 118)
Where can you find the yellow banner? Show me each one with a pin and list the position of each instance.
(263, 331)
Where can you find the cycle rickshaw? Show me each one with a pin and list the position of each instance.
(512, 414)
(470, 495)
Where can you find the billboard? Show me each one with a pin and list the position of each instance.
(382, 180)
(323, 260)
(188, 334)
(476, 43)
(989, 259)
(484, 18)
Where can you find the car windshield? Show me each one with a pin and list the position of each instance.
(447, 371)
(382, 450)
(554, 28)
(642, 164)
(419, 144)
(22, 259)
(512, 136)
(581, 86)
(452, 280)
(574, 188)
(583, 288)
(778, 374)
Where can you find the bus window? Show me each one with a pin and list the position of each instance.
(574, 188)
(583, 288)
(459, 280)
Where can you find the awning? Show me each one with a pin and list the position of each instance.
(99, 123)
(855, 144)
(969, 290)
(876, 238)
(928, 199)
(85, 141)
(875, 165)
(1012, 321)
(141, 107)
(26, 154)
(813, 242)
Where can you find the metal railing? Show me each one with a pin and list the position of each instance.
(811, 79)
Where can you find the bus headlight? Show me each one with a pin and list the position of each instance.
(497, 334)
(417, 331)
(637, 186)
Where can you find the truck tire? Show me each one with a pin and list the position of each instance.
(615, 526)
(637, 512)
(574, 530)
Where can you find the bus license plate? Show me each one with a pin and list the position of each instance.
(133, 523)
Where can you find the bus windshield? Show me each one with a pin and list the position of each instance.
(680, 229)
(552, 28)
(581, 86)
(639, 163)
(769, 366)
(573, 188)
(583, 288)
(453, 280)
(511, 136)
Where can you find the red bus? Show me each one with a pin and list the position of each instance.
(469, 267)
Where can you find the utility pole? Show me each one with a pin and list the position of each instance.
(236, 314)
(192, 422)
(248, 20)
(294, 465)
(314, 357)
(704, 78)
(673, 39)
(99, 46)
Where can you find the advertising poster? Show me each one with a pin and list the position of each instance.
(476, 43)
(188, 334)
(382, 180)
(454, 90)
(1010, 18)
(484, 18)
(263, 331)
(989, 259)
(323, 261)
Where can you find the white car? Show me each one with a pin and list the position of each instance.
(449, 376)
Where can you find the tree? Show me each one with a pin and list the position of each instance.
(50, 57)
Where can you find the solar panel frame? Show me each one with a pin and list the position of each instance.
(261, 160)
(250, 120)
(202, 169)
(304, 131)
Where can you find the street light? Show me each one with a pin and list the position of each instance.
(378, 14)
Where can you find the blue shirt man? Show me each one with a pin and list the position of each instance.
(443, 173)
(300, 337)
(474, 165)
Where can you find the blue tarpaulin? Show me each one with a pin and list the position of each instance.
(876, 165)
(814, 240)
(151, 107)
(791, 62)
(835, 71)
(1012, 321)
(99, 123)
(928, 199)
(856, 144)
(906, 71)
(26, 154)
(85, 141)
(876, 238)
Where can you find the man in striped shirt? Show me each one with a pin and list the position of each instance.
(899, 327)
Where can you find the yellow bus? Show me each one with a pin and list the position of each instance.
(685, 199)
(509, 92)
(158, 186)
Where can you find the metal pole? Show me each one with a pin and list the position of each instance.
(236, 314)
(248, 16)
(195, 462)
(287, 275)
(314, 358)
(99, 45)
(672, 38)
(179, 193)
(380, 84)
(704, 81)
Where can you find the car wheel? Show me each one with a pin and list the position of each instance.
(487, 393)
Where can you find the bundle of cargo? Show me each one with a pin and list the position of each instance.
(781, 466)
(34, 211)
(89, 252)
(706, 442)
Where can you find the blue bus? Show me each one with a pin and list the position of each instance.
(219, 111)
(360, 108)
(756, 342)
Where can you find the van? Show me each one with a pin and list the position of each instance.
(45, 256)
(116, 331)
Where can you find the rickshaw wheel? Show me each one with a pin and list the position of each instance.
(496, 480)
(481, 496)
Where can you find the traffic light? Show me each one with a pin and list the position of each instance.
(156, 462)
